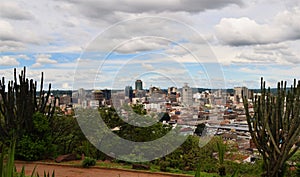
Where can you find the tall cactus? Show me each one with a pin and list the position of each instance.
(18, 104)
(275, 125)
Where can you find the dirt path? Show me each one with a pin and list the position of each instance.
(69, 171)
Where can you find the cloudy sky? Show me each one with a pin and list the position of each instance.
(110, 44)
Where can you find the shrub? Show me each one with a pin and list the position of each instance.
(163, 165)
(88, 162)
(7, 166)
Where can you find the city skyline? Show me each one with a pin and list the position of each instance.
(246, 40)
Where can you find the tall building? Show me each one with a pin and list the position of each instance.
(138, 85)
(97, 96)
(129, 92)
(107, 94)
(187, 95)
(240, 92)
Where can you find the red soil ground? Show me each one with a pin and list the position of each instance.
(71, 171)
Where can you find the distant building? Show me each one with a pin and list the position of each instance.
(172, 91)
(240, 92)
(187, 95)
(156, 90)
(128, 92)
(81, 92)
(65, 100)
(140, 93)
(81, 95)
(97, 95)
(106, 94)
(94, 104)
(118, 99)
(138, 85)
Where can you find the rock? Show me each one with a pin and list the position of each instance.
(64, 158)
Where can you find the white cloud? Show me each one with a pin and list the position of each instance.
(42, 59)
(16, 39)
(147, 66)
(245, 31)
(13, 10)
(24, 57)
(66, 86)
(102, 9)
(280, 54)
(142, 44)
(11, 46)
(6, 31)
(8, 61)
(255, 33)
(37, 65)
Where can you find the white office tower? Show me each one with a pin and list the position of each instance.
(187, 95)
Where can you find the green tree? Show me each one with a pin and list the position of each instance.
(37, 144)
(221, 152)
(200, 128)
(164, 116)
(19, 103)
(275, 125)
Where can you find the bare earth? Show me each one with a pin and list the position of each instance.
(69, 171)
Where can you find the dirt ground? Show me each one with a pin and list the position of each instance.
(69, 171)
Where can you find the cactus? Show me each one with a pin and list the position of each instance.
(18, 104)
(275, 125)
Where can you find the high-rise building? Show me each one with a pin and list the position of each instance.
(138, 85)
(129, 92)
(240, 92)
(187, 95)
(107, 94)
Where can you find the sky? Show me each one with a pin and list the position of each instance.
(110, 44)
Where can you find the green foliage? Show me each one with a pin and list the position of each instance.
(27, 117)
(164, 116)
(7, 169)
(30, 148)
(37, 144)
(295, 158)
(88, 162)
(163, 166)
(139, 109)
(298, 169)
(189, 154)
(199, 129)
(275, 125)
(235, 173)
(198, 170)
(19, 103)
(47, 174)
(131, 132)
(66, 135)
(7, 166)
(221, 152)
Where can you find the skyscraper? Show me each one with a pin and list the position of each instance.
(128, 92)
(187, 95)
(240, 92)
(138, 85)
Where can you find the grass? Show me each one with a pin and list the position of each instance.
(8, 168)
(153, 168)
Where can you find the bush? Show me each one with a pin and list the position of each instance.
(163, 166)
(30, 149)
(37, 143)
(88, 162)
